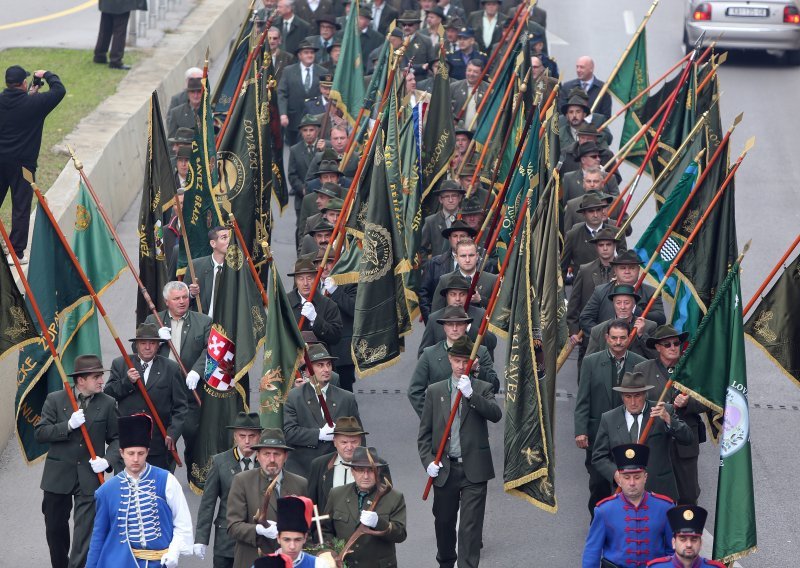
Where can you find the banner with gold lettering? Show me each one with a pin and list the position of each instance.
(58, 290)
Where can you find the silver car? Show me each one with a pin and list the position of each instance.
(741, 24)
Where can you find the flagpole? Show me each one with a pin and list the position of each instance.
(644, 91)
(46, 336)
(43, 204)
(479, 338)
(249, 259)
(769, 277)
(687, 203)
(624, 55)
(115, 236)
(189, 262)
(251, 13)
(677, 259)
(245, 71)
(667, 169)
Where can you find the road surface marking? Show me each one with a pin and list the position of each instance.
(48, 17)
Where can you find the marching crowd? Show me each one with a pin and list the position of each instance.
(282, 497)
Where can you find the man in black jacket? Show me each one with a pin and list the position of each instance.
(22, 114)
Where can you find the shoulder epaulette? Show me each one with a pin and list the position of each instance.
(657, 560)
(663, 497)
(609, 498)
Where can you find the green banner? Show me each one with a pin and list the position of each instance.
(347, 93)
(15, 320)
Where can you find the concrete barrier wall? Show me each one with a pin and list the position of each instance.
(111, 142)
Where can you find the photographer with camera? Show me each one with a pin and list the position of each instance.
(22, 112)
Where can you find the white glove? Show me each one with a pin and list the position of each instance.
(199, 550)
(192, 378)
(270, 531)
(326, 433)
(170, 559)
(433, 469)
(309, 311)
(165, 333)
(76, 419)
(99, 465)
(369, 519)
(330, 285)
(465, 386)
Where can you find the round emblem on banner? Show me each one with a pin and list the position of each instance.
(82, 218)
(736, 424)
(688, 515)
(234, 257)
(377, 253)
(630, 454)
(231, 175)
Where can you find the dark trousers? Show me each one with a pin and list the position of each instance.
(21, 192)
(56, 509)
(599, 487)
(686, 477)
(113, 29)
(347, 376)
(189, 433)
(456, 493)
(223, 562)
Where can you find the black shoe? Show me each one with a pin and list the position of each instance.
(100, 60)
(120, 66)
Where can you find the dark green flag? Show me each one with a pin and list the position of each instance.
(236, 335)
(774, 326)
(200, 209)
(377, 341)
(714, 371)
(158, 197)
(245, 168)
(283, 352)
(630, 80)
(347, 93)
(58, 289)
(529, 457)
(15, 320)
(438, 134)
(222, 97)
(268, 105)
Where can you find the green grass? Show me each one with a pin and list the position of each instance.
(87, 84)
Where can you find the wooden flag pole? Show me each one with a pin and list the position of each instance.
(115, 236)
(185, 237)
(124, 352)
(49, 341)
(624, 55)
(770, 276)
(250, 264)
(687, 203)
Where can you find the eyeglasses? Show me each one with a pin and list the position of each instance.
(674, 343)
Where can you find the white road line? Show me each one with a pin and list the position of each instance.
(553, 39)
(630, 23)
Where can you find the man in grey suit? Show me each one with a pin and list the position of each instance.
(70, 475)
(207, 269)
(626, 271)
(668, 342)
(299, 82)
(303, 422)
(186, 115)
(293, 28)
(188, 331)
(624, 425)
(589, 84)
(434, 364)
(467, 259)
(241, 457)
(419, 47)
(250, 530)
(624, 299)
(578, 246)
(599, 374)
(300, 157)
(589, 276)
(329, 470)
(165, 386)
(459, 480)
(464, 102)
(455, 288)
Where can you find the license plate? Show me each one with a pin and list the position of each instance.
(748, 12)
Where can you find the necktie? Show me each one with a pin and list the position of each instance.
(585, 85)
(285, 30)
(246, 462)
(83, 401)
(310, 150)
(635, 429)
(307, 81)
(144, 371)
(361, 496)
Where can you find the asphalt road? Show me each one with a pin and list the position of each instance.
(516, 533)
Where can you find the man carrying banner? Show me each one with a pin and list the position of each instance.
(629, 528)
(143, 519)
(162, 379)
(208, 268)
(624, 299)
(459, 485)
(434, 241)
(321, 314)
(686, 522)
(443, 263)
(188, 331)
(69, 473)
(241, 457)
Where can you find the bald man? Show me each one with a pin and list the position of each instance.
(584, 69)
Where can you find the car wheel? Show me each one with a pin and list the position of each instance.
(793, 57)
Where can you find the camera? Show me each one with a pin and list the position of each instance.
(37, 81)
